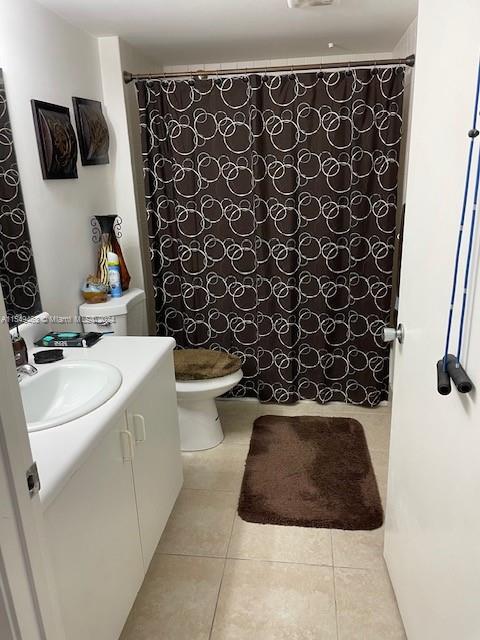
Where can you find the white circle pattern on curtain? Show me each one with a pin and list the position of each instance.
(18, 279)
(271, 205)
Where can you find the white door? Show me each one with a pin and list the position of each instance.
(157, 464)
(432, 542)
(28, 603)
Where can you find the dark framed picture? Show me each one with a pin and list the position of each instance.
(57, 144)
(92, 131)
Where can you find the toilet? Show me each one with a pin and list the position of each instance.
(124, 316)
(201, 376)
(199, 423)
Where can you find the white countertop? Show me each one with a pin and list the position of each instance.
(61, 450)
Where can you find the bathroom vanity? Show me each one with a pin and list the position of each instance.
(109, 482)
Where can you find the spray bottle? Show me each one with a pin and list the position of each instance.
(114, 274)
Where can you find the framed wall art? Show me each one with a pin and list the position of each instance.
(57, 144)
(92, 131)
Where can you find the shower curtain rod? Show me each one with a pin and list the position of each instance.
(409, 61)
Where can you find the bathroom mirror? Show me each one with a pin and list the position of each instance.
(18, 278)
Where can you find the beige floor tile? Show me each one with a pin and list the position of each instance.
(235, 403)
(220, 468)
(380, 466)
(305, 407)
(238, 431)
(366, 606)
(310, 408)
(177, 600)
(200, 524)
(284, 544)
(377, 430)
(237, 418)
(275, 601)
(358, 549)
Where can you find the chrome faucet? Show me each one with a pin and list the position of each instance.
(26, 370)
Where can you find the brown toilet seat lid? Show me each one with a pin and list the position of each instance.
(203, 364)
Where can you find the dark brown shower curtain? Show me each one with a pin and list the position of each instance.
(18, 278)
(271, 206)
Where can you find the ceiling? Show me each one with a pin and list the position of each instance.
(203, 31)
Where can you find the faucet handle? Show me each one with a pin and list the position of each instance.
(26, 369)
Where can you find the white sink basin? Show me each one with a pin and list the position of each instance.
(66, 391)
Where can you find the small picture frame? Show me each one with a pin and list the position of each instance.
(92, 129)
(57, 144)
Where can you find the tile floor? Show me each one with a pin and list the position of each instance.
(216, 577)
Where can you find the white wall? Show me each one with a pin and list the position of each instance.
(405, 47)
(45, 58)
(433, 521)
(262, 65)
(121, 106)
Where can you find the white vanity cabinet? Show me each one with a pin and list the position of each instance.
(105, 523)
(157, 466)
(92, 530)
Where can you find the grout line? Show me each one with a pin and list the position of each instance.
(334, 586)
(191, 554)
(231, 535)
(211, 490)
(223, 573)
(217, 599)
(379, 569)
(298, 564)
(335, 599)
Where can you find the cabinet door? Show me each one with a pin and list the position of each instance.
(157, 465)
(92, 528)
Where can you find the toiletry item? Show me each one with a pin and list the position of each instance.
(69, 339)
(108, 225)
(114, 275)
(94, 291)
(50, 355)
(19, 349)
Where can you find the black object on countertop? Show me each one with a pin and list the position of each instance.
(69, 339)
(49, 355)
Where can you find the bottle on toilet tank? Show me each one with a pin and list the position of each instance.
(114, 274)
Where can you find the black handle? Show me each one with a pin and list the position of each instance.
(443, 380)
(458, 374)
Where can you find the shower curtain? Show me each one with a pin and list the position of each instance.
(271, 205)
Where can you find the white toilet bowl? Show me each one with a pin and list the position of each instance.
(198, 419)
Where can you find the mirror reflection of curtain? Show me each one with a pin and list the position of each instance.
(18, 279)
(271, 205)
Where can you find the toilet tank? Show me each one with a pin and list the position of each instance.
(124, 316)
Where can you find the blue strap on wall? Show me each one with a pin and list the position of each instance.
(473, 133)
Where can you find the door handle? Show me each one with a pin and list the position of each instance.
(390, 334)
(138, 424)
(128, 447)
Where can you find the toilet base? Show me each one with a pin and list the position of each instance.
(199, 424)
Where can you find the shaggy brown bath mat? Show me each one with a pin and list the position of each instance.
(310, 472)
(203, 364)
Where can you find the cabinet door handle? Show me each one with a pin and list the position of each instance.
(128, 446)
(139, 427)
